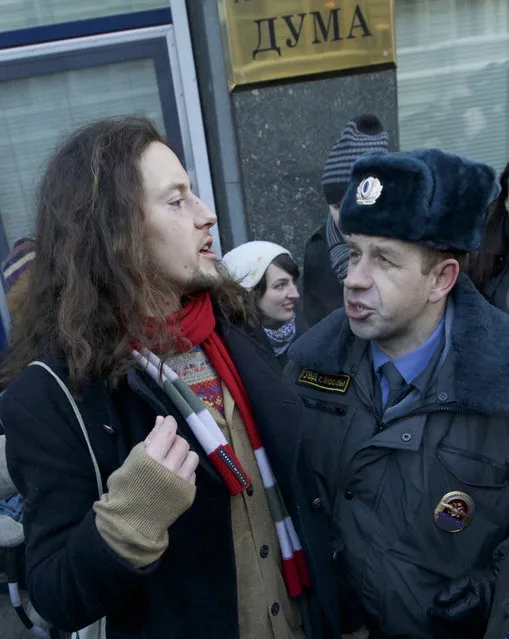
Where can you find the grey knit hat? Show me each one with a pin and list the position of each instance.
(361, 135)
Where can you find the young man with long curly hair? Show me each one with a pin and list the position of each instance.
(209, 525)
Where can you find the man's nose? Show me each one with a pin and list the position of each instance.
(204, 217)
(358, 275)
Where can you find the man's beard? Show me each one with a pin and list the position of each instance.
(200, 283)
(197, 284)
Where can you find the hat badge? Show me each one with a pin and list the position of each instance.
(369, 191)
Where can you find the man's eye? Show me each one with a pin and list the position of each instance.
(353, 255)
(176, 203)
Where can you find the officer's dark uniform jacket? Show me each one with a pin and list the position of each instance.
(382, 478)
(498, 627)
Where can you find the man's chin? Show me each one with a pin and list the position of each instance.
(361, 329)
(203, 282)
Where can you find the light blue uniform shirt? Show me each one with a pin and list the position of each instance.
(410, 365)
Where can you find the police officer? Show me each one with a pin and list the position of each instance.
(408, 389)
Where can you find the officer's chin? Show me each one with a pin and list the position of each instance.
(361, 330)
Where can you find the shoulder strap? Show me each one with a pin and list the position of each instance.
(79, 419)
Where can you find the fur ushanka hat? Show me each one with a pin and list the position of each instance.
(426, 196)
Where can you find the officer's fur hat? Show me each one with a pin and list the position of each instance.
(425, 196)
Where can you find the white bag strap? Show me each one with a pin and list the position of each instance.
(80, 422)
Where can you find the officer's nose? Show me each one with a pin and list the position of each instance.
(358, 275)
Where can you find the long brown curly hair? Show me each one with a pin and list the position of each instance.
(91, 281)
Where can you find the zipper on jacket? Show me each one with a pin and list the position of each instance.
(364, 400)
(473, 456)
(425, 411)
(503, 468)
(432, 408)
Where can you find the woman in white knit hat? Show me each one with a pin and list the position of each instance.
(268, 270)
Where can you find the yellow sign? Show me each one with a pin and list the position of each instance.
(272, 39)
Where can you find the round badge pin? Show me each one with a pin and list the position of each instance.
(369, 191)
(454, 512)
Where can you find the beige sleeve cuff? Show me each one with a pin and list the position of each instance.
(142, 502)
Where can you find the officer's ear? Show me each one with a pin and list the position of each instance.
(444, 275)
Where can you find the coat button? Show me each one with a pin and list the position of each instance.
(406, 437)
(349, 495)
(443, 397)
(274, 609)
(264, 552)
(335, 555)
(316, 503)
(250, 491)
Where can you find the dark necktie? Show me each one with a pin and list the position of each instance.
(396, 383)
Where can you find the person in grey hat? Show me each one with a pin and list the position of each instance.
(326, 256)
(407, 385)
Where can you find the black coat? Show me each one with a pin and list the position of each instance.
(74, 578)
(385, 478)
(498, 627)
(322, 291)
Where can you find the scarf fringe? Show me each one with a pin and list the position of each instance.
(228, 466)
(296, 574)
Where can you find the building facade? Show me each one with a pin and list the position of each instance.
(255, 151)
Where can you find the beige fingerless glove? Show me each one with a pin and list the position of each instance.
(142, 502)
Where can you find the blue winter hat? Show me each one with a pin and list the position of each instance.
(426, 196)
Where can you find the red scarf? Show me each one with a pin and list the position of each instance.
(195, 323)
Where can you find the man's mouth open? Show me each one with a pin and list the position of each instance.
(206, 249)
(358, 311)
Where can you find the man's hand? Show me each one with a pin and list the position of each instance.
(134, 526)
(170, 450)
(465, 603)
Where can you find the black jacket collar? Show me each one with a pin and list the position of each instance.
(480, 347)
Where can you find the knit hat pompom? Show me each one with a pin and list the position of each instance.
(362, 135)
(18, 260)
(368, 124)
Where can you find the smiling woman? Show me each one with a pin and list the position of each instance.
(269, 272)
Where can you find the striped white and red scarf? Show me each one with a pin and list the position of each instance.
(195, 326)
